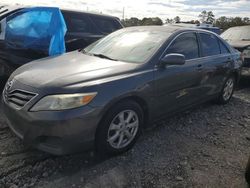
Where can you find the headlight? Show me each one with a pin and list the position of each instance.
(63, 101)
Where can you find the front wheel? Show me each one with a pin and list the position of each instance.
(247, 173)
(120, 128)
(227, 91)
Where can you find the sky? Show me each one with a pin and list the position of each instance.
(186, 9)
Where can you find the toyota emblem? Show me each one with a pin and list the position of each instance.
(9, 85)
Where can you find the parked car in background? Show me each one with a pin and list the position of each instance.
(83, 28)
(239, 38)
(210, 27)
(104, 95)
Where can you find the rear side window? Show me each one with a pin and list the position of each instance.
(186, 44)
(106, 25)
(210, 45)
(77, 23)
(223, 48)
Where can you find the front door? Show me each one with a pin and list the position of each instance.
(180, 85)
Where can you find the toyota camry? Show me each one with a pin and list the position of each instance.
(104, 95)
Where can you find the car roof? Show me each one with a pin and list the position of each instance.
(167, 29)
(4, 9)
(189, 25)
(86, 12)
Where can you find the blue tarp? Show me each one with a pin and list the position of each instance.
(40, 28)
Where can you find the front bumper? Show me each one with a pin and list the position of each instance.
(55, 132)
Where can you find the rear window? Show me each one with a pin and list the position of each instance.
(77, 23)
(106, 25)
(210, 45)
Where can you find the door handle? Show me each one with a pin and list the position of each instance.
(229, 60)
(199, 67)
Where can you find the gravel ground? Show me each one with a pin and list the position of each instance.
(205, 147)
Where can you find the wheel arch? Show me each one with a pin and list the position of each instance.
(139, 100)
(236, 75)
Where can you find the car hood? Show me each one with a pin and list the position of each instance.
(69, 69)
(239, 44)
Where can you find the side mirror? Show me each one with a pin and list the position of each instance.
(173, 59)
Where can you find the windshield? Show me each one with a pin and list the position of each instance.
(135, 46)
(237, 33)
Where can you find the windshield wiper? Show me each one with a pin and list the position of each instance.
(245, 39)
(104, 56)
(97, 55)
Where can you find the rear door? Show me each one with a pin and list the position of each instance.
(24, 37)
(180, 85)
(81, 31)
(105, 25)
(5, 61)
(217, 61)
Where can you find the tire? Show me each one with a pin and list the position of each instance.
(227, 91)
(3, 81)
(112, 127)
(247, 173)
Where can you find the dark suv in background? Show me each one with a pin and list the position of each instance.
(82, 29)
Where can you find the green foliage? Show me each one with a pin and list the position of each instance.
(227, 22)
(223, 22)
(177, 19)
(207, 17)
(145, 21)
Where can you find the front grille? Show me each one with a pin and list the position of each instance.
(18, 98)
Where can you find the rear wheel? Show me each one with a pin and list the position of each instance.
(120, 128)
(247, 173)
(227, 91)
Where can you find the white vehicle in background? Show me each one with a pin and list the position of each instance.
(239, 38)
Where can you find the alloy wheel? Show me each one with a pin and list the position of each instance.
(123, 129)
(228, 89)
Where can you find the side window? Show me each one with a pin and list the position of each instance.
(77, 23)
(106, 25)
(223, 48)
(185, 44)
(210, 44)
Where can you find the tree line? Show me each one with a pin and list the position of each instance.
(139, 22)
(207, 17)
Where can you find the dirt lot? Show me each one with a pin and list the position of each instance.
(205, 147)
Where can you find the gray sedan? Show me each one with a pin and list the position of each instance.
(105, 95)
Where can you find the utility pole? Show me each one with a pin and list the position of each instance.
(123, 13)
